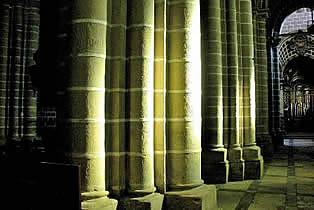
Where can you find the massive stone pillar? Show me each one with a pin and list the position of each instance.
(276, 94)
(4, 40)
(215, 167)
(183, 109)
(30, 95)
(84, 114)
(160, 95)
(262, 90)
(140, 74)
(115, 96)
(183, 95)
(16, 73)
(251, 152)
(235, 151)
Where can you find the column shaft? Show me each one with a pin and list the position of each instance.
(183, 95)
(160, 95)
(30, 96)
(140, 70)
(235, 151)
(4, 41)
(215, 167)
(251, 152)
(84, 114)
(263, 136)
(115, 96)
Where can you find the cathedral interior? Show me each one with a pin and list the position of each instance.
(157, 104)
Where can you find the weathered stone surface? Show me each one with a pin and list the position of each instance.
(202, 198)
(103, 203)
(149, 202)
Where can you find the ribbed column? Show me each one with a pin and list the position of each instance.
(235, 151)
(263, 136)
(251, 152)
(15, 71)
(84, 116)
(140, 70)
(183, 95)
(215, 167)
(240, 74)
(160, 95)
(225, 79)
(30, 96)
(115, 96)
(276, 101)
(4, 41)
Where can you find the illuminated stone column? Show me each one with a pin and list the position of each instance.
(84, 115)
(183, 95)
(251, 152)
(160, 95)
(263, 137)
(4, 41)
(235, 151)
(115, 82)
(140, 74)
(215, 167)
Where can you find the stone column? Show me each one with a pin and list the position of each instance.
(215, 167)
(115, 134)
(140, 74)
(4, 41)
(183, 95)
(276, 94)
(263, 136)
(251, 152)
(30, 95)
(15, 72)
(160, 95)
(84, 115)
(235, 151)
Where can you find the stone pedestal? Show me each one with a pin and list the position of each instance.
(99, 204)
(200, 198)
(254, 163)
(236, 164)
(215, 166)
(153, 201)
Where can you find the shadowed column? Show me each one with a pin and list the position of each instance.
(251, 152)
(140, 74)
(215, 167)
(84, 118)
(4, 41)
(115, 96)
(263, 137)
(160, 95)
(234, 151)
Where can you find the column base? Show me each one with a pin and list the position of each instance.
(153, 201)
(215, 166)
(102, 203)
(254, 163)
(200, 198)
(236, 164)
(266, 144)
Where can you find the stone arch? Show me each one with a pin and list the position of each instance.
(280, 9)
(294, 46)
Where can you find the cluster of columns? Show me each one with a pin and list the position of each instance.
(140, 111)
(138, 99)
(228, 136)
(263, 136)
(19, 30)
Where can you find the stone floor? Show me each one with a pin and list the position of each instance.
(288, 182)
